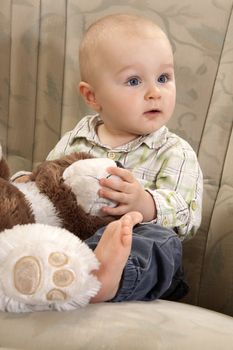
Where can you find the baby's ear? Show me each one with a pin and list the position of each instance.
(88, 94)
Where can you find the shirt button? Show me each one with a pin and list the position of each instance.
(165, 222)
(193, 205)
(111, 155)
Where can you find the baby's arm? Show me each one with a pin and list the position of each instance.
(176, 201)
(180, 207)
(178, 193)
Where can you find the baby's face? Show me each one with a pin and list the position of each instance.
(135, 84)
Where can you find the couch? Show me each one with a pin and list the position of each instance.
(38, 102)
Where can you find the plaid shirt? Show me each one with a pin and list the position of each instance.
(162, 162)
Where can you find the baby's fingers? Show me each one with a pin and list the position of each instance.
(116, 211)
(113, 182)
(124, 174)
(115, 196)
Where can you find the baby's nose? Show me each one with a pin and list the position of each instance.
(153, 92)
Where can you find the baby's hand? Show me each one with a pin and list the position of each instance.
(128, 193)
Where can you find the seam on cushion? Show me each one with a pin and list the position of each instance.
(211, 216)
(220, 184)
(216, 75)
(64, 66)
(9, 85)
(36, 92)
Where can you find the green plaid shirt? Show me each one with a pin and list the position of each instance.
(163, 163)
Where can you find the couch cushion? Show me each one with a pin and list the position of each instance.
(39, 102)
(208, 258)
(112, 326)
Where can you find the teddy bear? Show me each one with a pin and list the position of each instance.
(44, 261)
(62, 193)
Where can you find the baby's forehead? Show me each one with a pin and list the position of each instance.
(128, 32)
(118, 31)
(126, 40)
(125, 26)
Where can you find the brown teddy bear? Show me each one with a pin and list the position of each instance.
(43, 265)
(46, 198)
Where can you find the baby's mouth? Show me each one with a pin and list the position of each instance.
(153, 111)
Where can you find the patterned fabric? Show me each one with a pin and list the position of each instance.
(163, 163)
(39, 102)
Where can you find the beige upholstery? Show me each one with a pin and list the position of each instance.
(38, 102)
(128, 326)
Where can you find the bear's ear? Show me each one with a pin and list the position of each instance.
(4, 169)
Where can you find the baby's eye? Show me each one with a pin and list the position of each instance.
(133, 81)
(163, 78)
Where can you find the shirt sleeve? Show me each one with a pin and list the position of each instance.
(64, 145)
(60, 148)
(178, 192)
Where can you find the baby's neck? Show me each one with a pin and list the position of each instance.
(111, 139)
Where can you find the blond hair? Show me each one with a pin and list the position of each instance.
(105, 28)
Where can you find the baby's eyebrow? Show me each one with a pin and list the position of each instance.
(168, 65)
(131, 69)
(126, 68)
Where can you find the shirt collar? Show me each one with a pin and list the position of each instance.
(87, 130)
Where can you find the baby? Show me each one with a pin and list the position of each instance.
(127, 78)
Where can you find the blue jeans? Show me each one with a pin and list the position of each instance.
(154, 267)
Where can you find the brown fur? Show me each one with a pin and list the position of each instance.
(14, 208)
(48, 178)
(4, 169)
